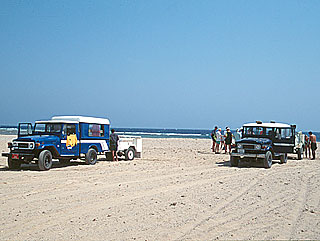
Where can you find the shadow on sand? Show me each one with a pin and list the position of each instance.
(55, 165)
(244, 164)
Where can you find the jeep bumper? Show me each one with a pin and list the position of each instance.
(20, 156)
(248, 155)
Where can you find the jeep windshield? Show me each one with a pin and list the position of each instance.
(47, 128)
(258, 131)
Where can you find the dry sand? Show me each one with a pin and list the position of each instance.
(178, 190)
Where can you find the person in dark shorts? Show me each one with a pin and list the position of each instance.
(313, 141)
(214, 138)
(228, 140)
(114, 138)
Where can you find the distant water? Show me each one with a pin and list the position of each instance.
(147, 132)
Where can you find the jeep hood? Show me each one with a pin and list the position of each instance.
(38, 138)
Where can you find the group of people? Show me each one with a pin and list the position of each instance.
(221, 141)
(310, 144)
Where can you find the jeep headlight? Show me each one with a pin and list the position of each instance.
(257, 147)
(239, 146)
(31, 145)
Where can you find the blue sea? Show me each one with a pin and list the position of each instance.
(147, 132)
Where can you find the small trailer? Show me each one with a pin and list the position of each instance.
(66, 138)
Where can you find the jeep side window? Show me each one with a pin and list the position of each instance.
(278, 134)
(270, 132)
(286, 134)
(69, 129)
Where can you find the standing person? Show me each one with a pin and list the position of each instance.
(237, 135)
(114, 138)
(214, 138)
(313, 141)
(307, 146)
(218, 139)
(228, 140)
(223, 139)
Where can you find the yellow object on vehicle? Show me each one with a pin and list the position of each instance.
(71, 141)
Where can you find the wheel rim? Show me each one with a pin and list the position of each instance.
(130, 155)
(92, 157)
(47, 161)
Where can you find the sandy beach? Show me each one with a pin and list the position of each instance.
(178, 190)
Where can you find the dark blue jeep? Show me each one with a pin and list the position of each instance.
(264, 142)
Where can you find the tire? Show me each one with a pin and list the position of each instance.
(129, 154)
(300, 154)
(45, 160)
(91, 157)
(267, 162)
(284, 158)
(13, 164)
(234, 161)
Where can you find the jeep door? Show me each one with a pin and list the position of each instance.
(70, 140)
(25, 129)
(284, 139)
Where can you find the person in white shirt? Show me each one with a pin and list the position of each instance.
(218, 135)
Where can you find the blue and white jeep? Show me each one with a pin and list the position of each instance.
(64, 138)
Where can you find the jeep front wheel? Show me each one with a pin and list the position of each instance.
(267, 162)
(91, 157)
(45, 160)
(13, 164)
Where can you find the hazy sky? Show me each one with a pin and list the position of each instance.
(162, 64)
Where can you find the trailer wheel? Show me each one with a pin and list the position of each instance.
(91, 157)
(13, 164)
(45, 160)
(234, 161)
(267, 162)
(284, 158)
(130, 154)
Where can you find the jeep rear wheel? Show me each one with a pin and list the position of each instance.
(284, 158)
(13, 164)
(267, 162)
(45, 160)
(91, 157)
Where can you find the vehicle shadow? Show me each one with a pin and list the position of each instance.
(55, 165)
(243, 164)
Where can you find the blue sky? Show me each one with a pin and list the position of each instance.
(161, 64)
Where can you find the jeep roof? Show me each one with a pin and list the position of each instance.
(268, 125)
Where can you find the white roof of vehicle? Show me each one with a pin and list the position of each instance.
(84, 119)
(270, 125)
(55, 121)
(75, 119)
